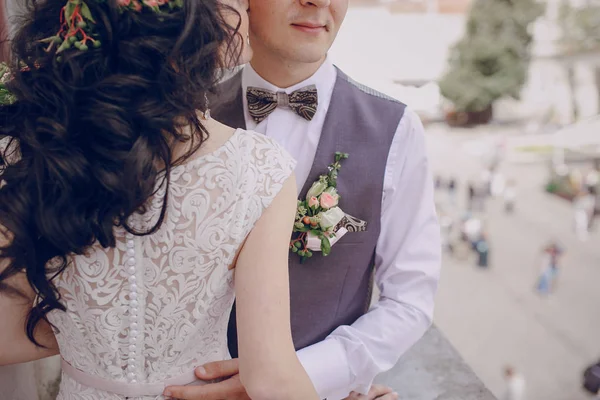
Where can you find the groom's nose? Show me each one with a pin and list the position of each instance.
(316, 3)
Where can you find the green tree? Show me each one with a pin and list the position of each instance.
(491, 61)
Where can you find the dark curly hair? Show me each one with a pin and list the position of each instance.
(94, 129)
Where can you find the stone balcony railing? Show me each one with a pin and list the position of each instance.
(433, 370)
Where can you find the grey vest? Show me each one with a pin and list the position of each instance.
(327, 292)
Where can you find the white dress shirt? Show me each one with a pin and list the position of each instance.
(408, 256)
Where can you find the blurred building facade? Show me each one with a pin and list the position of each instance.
(564, 83)
(420, 6)
(411, 39)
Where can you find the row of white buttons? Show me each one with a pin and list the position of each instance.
(133, 308)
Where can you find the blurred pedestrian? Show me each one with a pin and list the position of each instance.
(594, 210)
(498, 184)
(592, 179)
(515, 385)
(576, 180)
(486, 182)
(452, 191)
(498, 154)
(551, 255)
(583, 210)
(591, 379)
(438, 182)
(446, 227)
(482, 248)
(471, 229)
(510, 195)
(471, 193)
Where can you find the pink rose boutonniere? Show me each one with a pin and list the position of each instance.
(318, 217)
(328, 200)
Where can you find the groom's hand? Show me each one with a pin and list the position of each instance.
(378, 392)
(230, 388)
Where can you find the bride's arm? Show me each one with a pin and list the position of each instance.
(269, 368)
(15, 347)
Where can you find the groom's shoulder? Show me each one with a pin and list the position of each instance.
(362, 90)
(230, 84)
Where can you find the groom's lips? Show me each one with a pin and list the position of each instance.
(309, 27)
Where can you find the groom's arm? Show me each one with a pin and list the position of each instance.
(408, 263)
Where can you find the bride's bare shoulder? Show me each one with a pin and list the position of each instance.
(218, 135)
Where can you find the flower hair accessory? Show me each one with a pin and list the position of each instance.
(78, 25)
(77, 30)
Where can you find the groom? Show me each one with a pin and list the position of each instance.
(293, 93)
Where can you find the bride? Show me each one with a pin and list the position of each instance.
(128, 218)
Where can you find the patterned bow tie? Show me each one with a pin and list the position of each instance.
(262, 102)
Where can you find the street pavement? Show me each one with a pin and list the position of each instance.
(494, 317)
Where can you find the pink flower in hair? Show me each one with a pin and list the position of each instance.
(137, 6)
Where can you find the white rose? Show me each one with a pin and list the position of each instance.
(331, 217)
(316, 189)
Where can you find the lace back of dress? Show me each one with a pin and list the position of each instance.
(156, 306)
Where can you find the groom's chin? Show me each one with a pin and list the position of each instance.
(308, 53)
(311, 58)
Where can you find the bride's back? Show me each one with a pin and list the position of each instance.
(156, 306)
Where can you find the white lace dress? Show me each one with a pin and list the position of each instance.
(157, 306)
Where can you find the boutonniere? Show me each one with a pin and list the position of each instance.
(319, 219)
